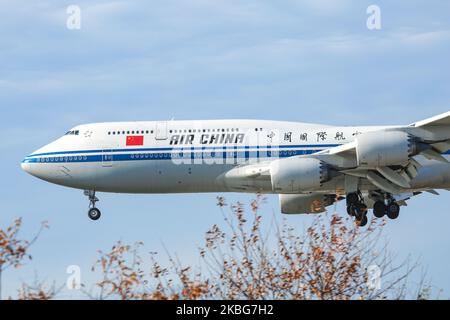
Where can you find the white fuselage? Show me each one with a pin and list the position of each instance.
(189, 156)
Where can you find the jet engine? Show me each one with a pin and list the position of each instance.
(386, 148)
(305, 203)
(294, 175)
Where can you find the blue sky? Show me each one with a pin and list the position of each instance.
(311, 61)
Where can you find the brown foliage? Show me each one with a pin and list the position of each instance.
(37, 291)
(246, 261)
(13, 250)
(243, 259)
(123, 277)
(122, 272)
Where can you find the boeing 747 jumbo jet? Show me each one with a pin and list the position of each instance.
(310, 166)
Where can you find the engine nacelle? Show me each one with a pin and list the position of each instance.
(384, 148)
(294, 175)
(305, 203)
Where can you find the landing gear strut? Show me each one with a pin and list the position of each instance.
(357, 208)
(385, 205)
(93, 212)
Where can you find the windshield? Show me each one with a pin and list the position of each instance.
(72, 132)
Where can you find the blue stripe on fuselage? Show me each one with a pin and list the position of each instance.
(182, 155)
(187, 148)
(135, 154)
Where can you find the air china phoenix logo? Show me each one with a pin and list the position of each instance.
(135, 141)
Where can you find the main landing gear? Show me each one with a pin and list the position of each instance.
(356, 208)
(93, 213)
(388, 207)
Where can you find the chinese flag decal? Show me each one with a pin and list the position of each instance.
(135, 140)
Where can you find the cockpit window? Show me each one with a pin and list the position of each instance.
(73, 132)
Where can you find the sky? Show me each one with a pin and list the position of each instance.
(299, 60)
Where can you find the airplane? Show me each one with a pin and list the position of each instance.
(310, 166)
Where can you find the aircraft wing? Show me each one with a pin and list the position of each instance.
(389, 178)
(438, 125)
(402, 198)
(389, 159)
(429, 138)
(432, 130)
(347, 149)
(439, 120)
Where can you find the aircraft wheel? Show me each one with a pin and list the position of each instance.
(363, 221)
(351, 210)
(393, 210)
(360, 210)
(379, 209)
(94, 214)
(352, 198)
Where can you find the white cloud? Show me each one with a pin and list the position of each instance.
(205, 59)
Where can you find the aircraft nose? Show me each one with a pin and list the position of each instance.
(48, 169)
(25, 166)
(30, 166)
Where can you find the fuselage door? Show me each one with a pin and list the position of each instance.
(107, 157)
(268, 142)
(161, 130)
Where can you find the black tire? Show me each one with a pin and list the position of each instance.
(352, 198)
(379, 209)
(363, 221)
(94, 214)
(393, 210)
(360, 210)
(351, 210)
(363, 207)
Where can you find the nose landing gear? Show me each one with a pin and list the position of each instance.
(93, 213)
